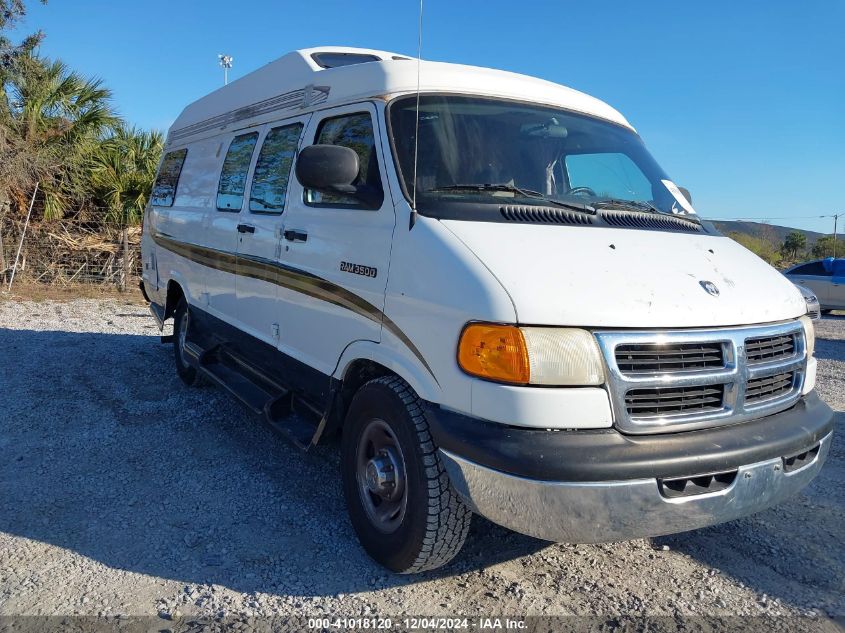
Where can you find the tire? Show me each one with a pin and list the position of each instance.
(181, 319)
(430, 527)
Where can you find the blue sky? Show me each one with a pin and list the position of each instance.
(741, 102)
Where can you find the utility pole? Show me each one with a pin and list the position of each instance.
(225, 62)
(835, 217)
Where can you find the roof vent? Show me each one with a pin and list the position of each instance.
(335, 60)
(544, 215)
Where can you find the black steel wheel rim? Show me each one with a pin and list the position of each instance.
(381, 476)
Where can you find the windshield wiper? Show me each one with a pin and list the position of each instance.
(527, 193)
(618, 203)
(639, 205)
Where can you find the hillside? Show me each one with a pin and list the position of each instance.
(772, 232)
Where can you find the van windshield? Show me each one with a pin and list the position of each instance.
(475, 150)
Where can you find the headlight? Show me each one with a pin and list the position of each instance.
(809, 334)
(531, 355)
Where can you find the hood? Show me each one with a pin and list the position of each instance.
(609, 277)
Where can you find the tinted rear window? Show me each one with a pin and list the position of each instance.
(164, 189)
(272, 171)
(230, 191)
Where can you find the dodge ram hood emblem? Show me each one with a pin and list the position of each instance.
(710, 288)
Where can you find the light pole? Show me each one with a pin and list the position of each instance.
(225, 62)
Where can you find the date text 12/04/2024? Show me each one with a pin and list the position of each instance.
(418, 624)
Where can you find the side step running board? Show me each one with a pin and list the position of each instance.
(279, 407)
(281, 416)
(158, 314)
(239, 385)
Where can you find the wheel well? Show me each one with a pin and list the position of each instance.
(357, 374)
(174, 294)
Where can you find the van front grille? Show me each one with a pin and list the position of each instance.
(769, 348)
(666, 358)
(678, 380)
(769, 387)
(665, 401)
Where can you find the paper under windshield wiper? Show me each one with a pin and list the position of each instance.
(618, 203)
(527, 193)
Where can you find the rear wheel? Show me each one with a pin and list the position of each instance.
(181, 324)
(401, 503)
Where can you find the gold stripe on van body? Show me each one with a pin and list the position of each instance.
(287, 277)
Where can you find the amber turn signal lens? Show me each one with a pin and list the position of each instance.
(495, 352)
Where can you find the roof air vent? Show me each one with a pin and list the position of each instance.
(335, 60)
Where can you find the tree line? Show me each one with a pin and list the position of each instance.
(792, 250)
(61, 141)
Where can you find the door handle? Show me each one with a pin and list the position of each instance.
(246, 228)
(292, 235)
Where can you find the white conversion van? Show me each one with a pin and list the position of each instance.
(495, 295)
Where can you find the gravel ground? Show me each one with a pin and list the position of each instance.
(124, 492)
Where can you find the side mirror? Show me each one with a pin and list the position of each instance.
(686, 193)
(329, 168)
(333, 169)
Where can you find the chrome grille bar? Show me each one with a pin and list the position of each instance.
(769, 348)
(651, 358)
(653, 389)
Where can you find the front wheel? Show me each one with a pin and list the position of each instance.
(401, 502)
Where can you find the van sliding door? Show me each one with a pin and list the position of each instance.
(261, 230)
(222, 233)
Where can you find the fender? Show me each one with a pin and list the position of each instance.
(411, 372)
(175, 277)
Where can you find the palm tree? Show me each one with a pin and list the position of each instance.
(57, 116)
(122, 170)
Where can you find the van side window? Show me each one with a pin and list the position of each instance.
(230, 191)
(164, 189)
(354, 131)
(272, 171)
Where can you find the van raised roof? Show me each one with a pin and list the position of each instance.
(312, 77)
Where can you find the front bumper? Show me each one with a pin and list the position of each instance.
(606, 511)
(616, 490)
